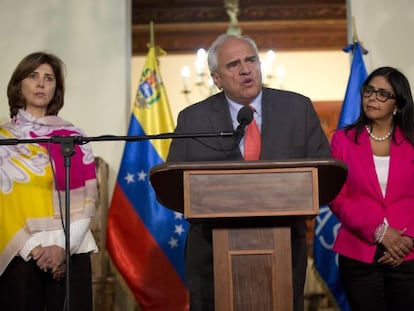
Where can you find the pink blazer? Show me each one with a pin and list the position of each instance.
(360, 205)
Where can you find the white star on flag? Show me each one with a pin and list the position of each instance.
(173, 242)
(129, 178)
(142, 175)
(178, 215)
(179, 229)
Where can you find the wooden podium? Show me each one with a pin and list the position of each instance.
(250, 206)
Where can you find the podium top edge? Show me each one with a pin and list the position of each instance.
(167, 178)
(241, 164)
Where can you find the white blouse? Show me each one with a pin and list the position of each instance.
(81, 239)
(381, 166)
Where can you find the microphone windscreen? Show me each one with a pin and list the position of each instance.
(245, 115)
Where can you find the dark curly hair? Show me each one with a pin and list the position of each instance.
(26, 66)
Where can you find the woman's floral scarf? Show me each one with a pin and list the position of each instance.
(32, 191)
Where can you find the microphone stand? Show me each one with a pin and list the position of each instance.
(67, 149)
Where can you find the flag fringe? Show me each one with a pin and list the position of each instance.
(325, 287)
(121, 281)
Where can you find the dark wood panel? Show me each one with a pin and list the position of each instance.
(184, 26)
(328, 113)
(167, 11)
(252, 274)
(258, 277)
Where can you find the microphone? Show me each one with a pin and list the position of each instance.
(244, 117)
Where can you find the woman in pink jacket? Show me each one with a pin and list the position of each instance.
(376, 204)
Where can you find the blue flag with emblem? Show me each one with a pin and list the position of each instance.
(326, 224)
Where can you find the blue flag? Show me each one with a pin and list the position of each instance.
(351, 107)
(326, 224)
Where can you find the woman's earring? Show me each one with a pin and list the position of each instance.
(394, 112)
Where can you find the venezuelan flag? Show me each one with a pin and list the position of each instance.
(145, 240)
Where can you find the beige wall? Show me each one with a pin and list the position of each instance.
(385, 28)
(93, 39)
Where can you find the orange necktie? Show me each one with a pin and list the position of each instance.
(252, 141)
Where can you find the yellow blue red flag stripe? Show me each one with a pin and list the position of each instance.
(145, 240)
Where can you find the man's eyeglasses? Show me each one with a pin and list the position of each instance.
(381, 94)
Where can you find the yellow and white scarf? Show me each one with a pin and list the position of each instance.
(29, 191)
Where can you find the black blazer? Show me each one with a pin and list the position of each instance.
(290, 130)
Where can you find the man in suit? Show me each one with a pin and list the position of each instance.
(289, 128)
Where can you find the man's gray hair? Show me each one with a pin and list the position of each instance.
(212, 51)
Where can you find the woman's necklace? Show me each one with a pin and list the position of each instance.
(376, 138)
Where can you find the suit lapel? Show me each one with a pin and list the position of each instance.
(220, 121)
(271, 112)
(398, 162)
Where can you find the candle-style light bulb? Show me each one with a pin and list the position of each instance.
(202, 54)
(199, 65)
(185, 74)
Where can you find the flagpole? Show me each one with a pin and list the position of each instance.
(354, 31)
(152, 35)
(349, 21)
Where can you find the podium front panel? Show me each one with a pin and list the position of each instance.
(252, 269)
(210, 194)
